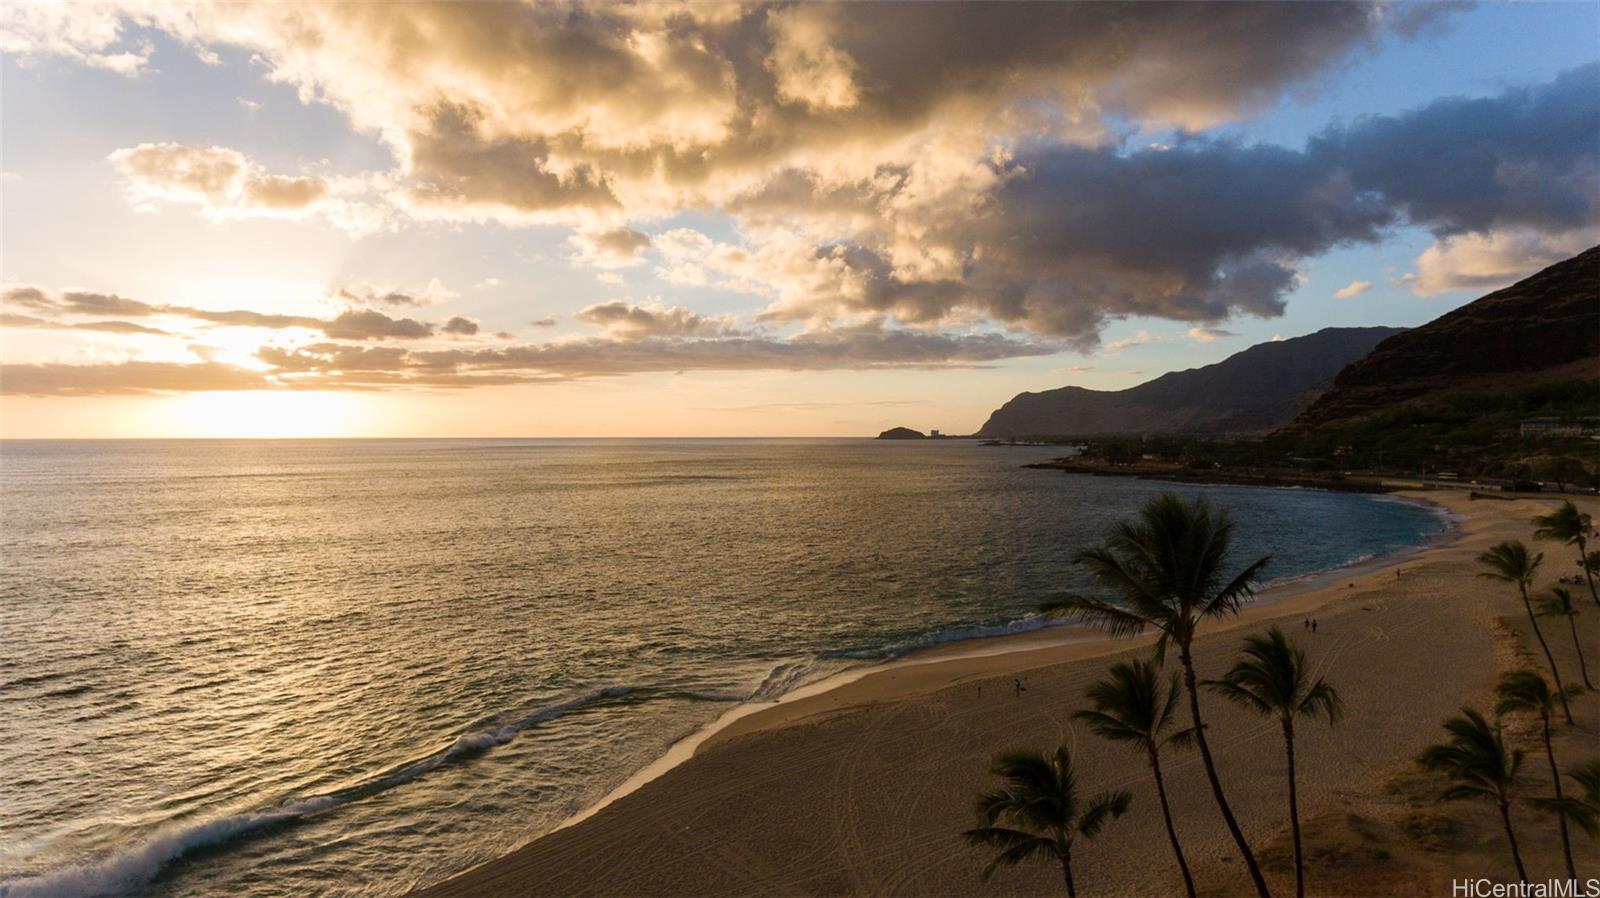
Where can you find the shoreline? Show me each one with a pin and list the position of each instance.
(930, 668)
(859, 783)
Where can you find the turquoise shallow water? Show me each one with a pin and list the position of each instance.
(351, 667)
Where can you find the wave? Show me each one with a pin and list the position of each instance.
(790, 674)
(1026, 624)
(124, 870)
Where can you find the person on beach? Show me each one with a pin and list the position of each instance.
(1313, 625)
(1017, 684)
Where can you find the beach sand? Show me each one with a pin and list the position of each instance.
(863, 788)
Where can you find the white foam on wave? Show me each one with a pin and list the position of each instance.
(1026, 624)
(125, 870)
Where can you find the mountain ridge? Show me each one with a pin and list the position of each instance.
(1545, 327)
(1254, 390)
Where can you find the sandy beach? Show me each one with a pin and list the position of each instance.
(862, 787)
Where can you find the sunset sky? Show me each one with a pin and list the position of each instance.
(357, 219)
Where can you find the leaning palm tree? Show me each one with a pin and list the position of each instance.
(1477, 760)
(1133, 705)
(1511, 562)
(1524, 690)
(1584, 807)
(1168, 570)
(1559, 604)
(1570, 526)
(1271, 678)
(1040, 803)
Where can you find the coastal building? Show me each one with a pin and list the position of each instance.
(1553, 426)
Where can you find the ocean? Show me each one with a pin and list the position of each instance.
(292, 668)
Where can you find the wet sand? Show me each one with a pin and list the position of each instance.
(861, 785)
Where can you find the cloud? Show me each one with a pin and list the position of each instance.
(543, 322)
(53, 379)
(524, 110)
(330, 366)
(216, 177)
(226, 184)
(459, 326)
(1352, 289)
(994, 186)
(1203, 334)
(627, 321)
(1525, 158)
(614, 248)
(88, 35)
(1139, 339)
(1489, 261)
(367, 294)
(110, 327)
(350, 324)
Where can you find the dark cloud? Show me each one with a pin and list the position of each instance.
(614, 248)
(1207, 229)
(351, 324)
(456, 164)
(459, 326)
(385, 297)
(370, 324)
(542, 108)
(852, 349)
(635, 322)
(1529, 157)
(346, 366)
(110, 327)
(27, 297)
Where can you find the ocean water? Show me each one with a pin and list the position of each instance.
(353, 667)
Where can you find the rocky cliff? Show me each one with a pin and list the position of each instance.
(1543, 328)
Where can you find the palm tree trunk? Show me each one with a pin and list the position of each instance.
(1555, 775)
(1516, 856)
(1189, 684)
(1066, 868)
(1172, 833)
(1549, 658)
(1294, 812)
(1578, 644)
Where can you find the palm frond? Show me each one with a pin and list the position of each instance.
(1230, 598)
(1523, 690)
(1322, 700)
(1102, 808)
(1576, 812)
(1239, 694)
(1108, 727)
(1183, 738)
(1116, 620)
(1015, 846)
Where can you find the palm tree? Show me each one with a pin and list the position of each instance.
(1167, 570)
(1040, 802)
(1271, 678)
(1511, 562)
(1477, 760)
(1559, 604)
(1571, 526)
(1132, 705)
(1583, 808)
(1524, 690)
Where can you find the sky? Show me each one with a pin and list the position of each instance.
(545, 220)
